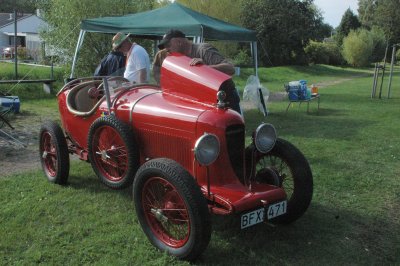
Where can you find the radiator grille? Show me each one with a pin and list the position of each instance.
(235, 145)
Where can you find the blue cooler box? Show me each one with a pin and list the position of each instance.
(293, 94)
(10, 102)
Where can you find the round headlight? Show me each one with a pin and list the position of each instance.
(206, 149)
(265, 138)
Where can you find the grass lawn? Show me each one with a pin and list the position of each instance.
(352, 145)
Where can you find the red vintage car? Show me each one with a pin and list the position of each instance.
(182, 149)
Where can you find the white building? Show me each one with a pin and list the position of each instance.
(28, 28)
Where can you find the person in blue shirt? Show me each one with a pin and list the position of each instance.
(112, 64)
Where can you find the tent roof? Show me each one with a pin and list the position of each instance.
(155, 23)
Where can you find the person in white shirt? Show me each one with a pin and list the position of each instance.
(137, 68)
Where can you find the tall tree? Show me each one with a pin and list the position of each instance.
(366, 12)
(284, 28)
(64, 18)
(388, 19)
(384, 14)
(349, 22)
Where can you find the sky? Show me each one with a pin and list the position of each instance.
(333, 10)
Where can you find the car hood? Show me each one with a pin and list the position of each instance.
(199, 83)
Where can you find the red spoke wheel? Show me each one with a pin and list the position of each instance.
(53, 151)
(171, 209)
(113, 152)
(284, 166)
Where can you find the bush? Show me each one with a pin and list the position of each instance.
(398, 55)
(323, 53)
(316, 53)
(242, 59)
(22, 53)
(335, 56)
(358, 47)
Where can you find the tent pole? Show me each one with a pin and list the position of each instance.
(78, 47)
(255, 59)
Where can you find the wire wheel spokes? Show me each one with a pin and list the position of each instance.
(281, 168)
(49, 154)
(166, 212)
(110, 153)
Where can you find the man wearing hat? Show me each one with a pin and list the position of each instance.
(202, 53)
(111, 64)
(137, 68)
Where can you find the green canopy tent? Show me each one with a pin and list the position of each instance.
(155, 23)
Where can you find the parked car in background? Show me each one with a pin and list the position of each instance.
(8, 52)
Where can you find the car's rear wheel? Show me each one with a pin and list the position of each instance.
(113, 152)
(53, 151)
(284, 166)
(171, 209)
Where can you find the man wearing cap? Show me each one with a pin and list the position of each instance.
(202, 53)
(137, 68)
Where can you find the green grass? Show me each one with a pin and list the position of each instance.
(275, 77)
(27, 91)
(352, 145)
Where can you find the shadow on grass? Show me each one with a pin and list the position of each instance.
(87, 180)
(324, 235)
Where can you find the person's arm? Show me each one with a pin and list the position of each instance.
(142, 75)
(158, 60)
(210, 56)
(157, 73)
(224, 67)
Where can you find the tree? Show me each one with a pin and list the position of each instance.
(349, 22)
(226, 10)
(64, 18)
(379, 44)
(366, 12)
(322, 31)
(388, 19)
(284, 28)
(24, 6)
(384, 14)
(358, 47)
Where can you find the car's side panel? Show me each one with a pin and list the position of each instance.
(165, 126)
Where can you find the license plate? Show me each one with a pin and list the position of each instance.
(276, 209)
(258, 216)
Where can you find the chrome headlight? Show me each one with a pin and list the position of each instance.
(265, 138)
(206, 149)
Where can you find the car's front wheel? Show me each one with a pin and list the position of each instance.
(284, 166)
(171, 209)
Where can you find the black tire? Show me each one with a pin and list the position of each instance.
(113, 152)
(176, 204)
(53, 152)
(287, 164)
